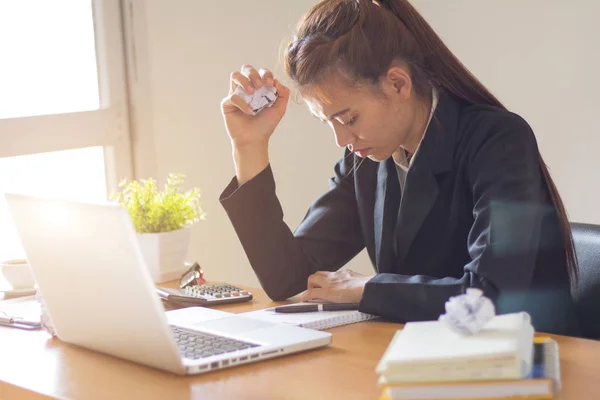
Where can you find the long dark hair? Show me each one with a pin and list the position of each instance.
(360, 39)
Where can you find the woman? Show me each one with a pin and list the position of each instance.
(444, 187)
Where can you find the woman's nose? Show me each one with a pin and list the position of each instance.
(343, 137)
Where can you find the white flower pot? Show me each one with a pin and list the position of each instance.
(165, 253)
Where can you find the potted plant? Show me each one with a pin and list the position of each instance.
(162, 220)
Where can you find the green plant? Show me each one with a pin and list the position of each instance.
(154, 211)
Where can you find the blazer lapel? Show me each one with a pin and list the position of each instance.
(421, 189)
(420, 194)
(387, 198)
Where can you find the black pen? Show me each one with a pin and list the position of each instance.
(300, 308)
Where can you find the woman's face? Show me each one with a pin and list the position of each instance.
(372, 122)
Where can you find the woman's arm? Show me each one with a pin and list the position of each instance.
(330, 234)
(328, 237)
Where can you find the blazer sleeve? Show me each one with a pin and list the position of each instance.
(328, 237)
(508, 201)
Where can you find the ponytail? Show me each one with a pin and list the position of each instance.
(442, 67)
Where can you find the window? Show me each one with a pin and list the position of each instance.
(49, 58)
(63, 103)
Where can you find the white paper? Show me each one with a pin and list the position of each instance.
(27, 308)
(261, 98)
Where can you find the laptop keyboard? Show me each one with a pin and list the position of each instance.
(196, 345)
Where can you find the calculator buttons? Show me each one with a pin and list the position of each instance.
(212, 294)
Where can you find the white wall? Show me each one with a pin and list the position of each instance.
(542, 59)
(538, 56)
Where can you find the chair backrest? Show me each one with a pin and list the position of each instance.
(587, 295)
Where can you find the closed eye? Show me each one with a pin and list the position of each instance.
(351, 122)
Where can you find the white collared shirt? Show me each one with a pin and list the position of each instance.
(399, 156)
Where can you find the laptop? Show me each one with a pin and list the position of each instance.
(90, 271)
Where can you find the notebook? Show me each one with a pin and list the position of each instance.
(543, 384)
(429, 351)
(311, 320)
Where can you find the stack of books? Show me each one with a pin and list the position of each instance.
(427, 360)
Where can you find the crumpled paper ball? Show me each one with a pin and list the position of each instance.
(468, 313)
(262, 97)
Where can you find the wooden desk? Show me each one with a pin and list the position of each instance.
(35, 366)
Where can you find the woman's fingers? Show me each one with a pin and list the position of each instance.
(317, 281)
(283, 96)
(314, 293)
(252, 74)
(266, 76)
(233, 103)
(329, 294)
(337, 276)
(238, 79)
(250, 79)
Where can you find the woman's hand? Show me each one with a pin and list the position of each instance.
(337, 287)
(245, 129)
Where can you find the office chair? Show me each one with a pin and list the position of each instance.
(586, 238)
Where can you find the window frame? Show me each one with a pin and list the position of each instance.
(107, 127)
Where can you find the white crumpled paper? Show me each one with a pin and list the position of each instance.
(468, 313)
(261, 98)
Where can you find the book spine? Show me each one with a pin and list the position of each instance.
(387, 394)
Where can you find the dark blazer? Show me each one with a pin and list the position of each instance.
(475, 212)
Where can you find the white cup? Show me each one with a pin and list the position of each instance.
(17, 273)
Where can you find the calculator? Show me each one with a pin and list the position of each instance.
(210, 294)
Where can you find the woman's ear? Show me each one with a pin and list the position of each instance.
(397, 83)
